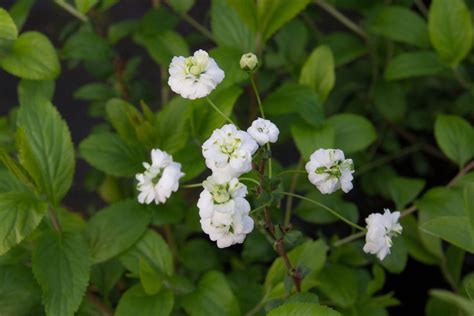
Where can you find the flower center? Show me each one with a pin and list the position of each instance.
(334, 171)
(220, 193)
(229, 147)
(156, 177)
(195, 66)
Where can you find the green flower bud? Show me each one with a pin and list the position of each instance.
(248, 62)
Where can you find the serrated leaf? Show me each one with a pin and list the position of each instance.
(116, 228)
(136, 302)
(318, 71)
(339, 284)
(61, 265)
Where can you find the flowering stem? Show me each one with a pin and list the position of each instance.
(291, 171)
(69, 8)
(289, 201)
(192, 185)
(348, 239)
(330, 210)
(257, 95)
(219, 111)
(249, 180)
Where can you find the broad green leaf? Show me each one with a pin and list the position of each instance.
(273, 14)
(390, 100)
(468, 285)
(120, 30)
(309, 138)
(20, 10)
(200, 255)
(226, 58)
(190, 158)
(85, 5)
(86, 45)
(20, 214)
(32, 56)
(181, 6)
(95, 92)
(45, 149)
(18, 172)
(115, 228)
(105, 275)
(406, 65)
(121, 115)
(154, 249)
(292, 40)
(318, 71)
(405, 190)
(163, 46)
(150, 279)
(438, 307)
(8, 29)
(247, 11)
(291, 98)
(61, 265)
(469, 206)
(455, 299)
(396, 261)
(136, 302)
(108, 153)
(19, 293)
(32, 92)
(344, 46)
(411, 237)
(450, 29)
(172, 133)
(213, 297)
(339, 284)
(400, 24)
(453, 229)
(352, 132)
(454, 136)
(9, 183)
(302, 309)
(229, 30)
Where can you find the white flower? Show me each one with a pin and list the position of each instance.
(380, 230)
(329, 171)
(263, 131)
(229, 151)
(224, 211)
(194, 77)
(160, 179)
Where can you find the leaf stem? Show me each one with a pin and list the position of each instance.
(257, 95)
(330, 210)
(192, 185)
(249, 180)
(54, 219)
(72, 10)
(219, 111)
(342, 18)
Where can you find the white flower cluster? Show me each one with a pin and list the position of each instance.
(160, 179)
(380, 230)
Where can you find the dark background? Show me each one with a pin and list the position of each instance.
(411, 287)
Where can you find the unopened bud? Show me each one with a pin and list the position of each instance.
(248, 62)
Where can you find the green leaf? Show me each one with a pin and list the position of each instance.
(181, 6)
(454, 136)
(469, 206)
(94, 92)
(339, 284)
(344, 46)
(85, 5)
(108, 153)
(309, 138)
(172, 133)
(454, 299)
(290, 98)
(247, 11)
(396, 261)
(273, 14)
(154, 249)
(19, 293)
(20, 214)
(302, 309)
(400, 24)
(407, 65)
(149, 278)
(20, 10)
(352, 132)
(453, 229)
(45, 149)
(318, 71)
(8, 29)
(121, 115)
(136, 302)
(61, 265)
(200, 255)
(32, 56)
(163, 46)
(191, 161)
(105, 275)
(213, 297)
(405, 190)
(32, 92)
(450, 29)
(119, 30)
(116, 228)
(390, 100)
(86, 45)
(229, 30)
(412, 238)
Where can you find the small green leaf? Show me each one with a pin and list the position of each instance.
(32, 92)
(61, 265)
(454, 299)
(94, 92)
(88, 46)
(163, 46)
(318, 71)
(450, 29)
(20, 10)
(136, 302)
(302, 309)
(390, 100)
(352, 132)
(453, 229)
(108, 153)
(213, 297)
(8, 29)
(116, 228)
(396, 261)
(405, 190)
(400, 24)
(406, 65)
(121, 115)
(45, 148)
(85, 5)
(172, 133)
(344, 46)
(309, 138)
(32, 56)
(339, 284)
(181, 6)
(149, 278)
(454, 136)
(469, 206)
(20, 214)
(120, 30)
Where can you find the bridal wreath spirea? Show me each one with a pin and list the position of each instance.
(224, 211)
(263, 131)
(329, 171)
(160, 179)
(380, 230)
(194, 77)
(229, 151)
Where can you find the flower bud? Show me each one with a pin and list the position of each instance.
(248, 62)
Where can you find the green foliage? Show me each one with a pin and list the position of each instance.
(318, 71)
(135, 300)
(303, 309)
(8, 29)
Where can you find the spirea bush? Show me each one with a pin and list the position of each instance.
(250, 157)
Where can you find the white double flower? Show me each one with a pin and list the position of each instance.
(263, 131)
(380, 230)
